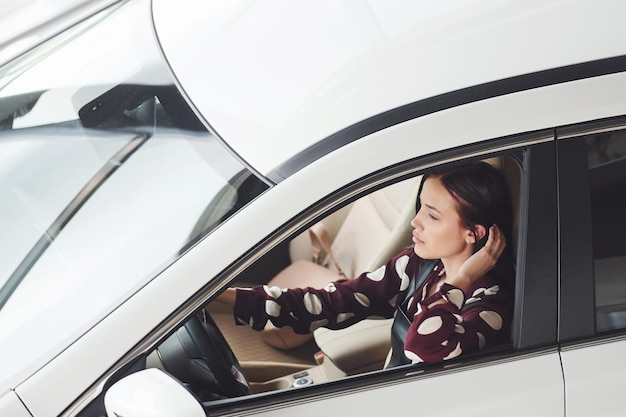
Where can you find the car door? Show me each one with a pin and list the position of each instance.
(522, 379)
(592, 171)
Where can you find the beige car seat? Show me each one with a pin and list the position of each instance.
(366, 345)
(362, 236)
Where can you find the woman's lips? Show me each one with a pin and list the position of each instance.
(417, 240)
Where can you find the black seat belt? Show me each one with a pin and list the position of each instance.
(401, 322)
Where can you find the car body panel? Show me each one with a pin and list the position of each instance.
(269, 115)
(177, 283)
(223, 250)
(356, 60)
(10, 405)
(594, 377)
(591, 327)
(531, 386)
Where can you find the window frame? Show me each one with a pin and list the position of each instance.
(577, 313)
(536, 255)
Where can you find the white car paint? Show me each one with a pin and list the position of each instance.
(176, 283)
(594, 375)
(495, 391)
(234, 108)
(158, 396)
(44, 18)
(10, 405)
(357, 59)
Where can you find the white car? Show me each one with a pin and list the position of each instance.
(155, 152)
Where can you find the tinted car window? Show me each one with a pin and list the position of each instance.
(607, 179)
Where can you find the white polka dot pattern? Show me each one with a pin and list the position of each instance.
(272, 308)
(377, 275)
(493, 290)
(481, 340)
(273, 292)
(456, 297)
(362, 299)
(441, 332)
(413, 357)
(493, 319)
(394, 301)
(401, 264)
(478, 291)
(312, 303)
(456, 352)
(341, 317)
(430, 325)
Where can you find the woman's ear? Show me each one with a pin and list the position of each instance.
(475, 235)
(480, 231)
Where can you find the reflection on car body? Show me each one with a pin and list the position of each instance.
(145, 168)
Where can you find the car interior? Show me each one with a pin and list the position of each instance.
(606, 175)
(276, 359)
(217, 359)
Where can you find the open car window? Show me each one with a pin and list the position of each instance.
(356, 238)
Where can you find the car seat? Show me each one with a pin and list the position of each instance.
(360, 237)
(366, 345)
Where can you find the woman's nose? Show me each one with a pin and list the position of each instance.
(415, 223)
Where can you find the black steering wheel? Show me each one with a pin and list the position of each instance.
(199, 356)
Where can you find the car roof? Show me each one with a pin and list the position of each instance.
(281, 80)
(283, 83)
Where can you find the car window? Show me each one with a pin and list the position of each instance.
(336, 248)
(106, 176)
(607, 182)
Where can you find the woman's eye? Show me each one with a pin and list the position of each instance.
(432, 217)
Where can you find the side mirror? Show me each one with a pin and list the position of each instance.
(151, 393)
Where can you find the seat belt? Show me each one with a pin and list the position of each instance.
(401, 322)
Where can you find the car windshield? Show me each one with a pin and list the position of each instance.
(106, 177)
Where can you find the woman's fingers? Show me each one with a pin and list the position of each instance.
(495, 242)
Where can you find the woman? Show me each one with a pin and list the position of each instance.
(464, 304)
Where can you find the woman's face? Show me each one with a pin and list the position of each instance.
(438, 232)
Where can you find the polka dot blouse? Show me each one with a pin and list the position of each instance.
(462, 323)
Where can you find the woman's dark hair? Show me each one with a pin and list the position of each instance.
(483, 196)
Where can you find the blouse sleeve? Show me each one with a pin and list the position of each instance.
(338, 305)
(460, 324)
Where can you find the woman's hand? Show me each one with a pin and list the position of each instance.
(482, 261)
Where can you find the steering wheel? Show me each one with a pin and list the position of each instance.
(199, 356)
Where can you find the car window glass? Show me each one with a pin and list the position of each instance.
(607, 178)
(106, 176)
(277, 359)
